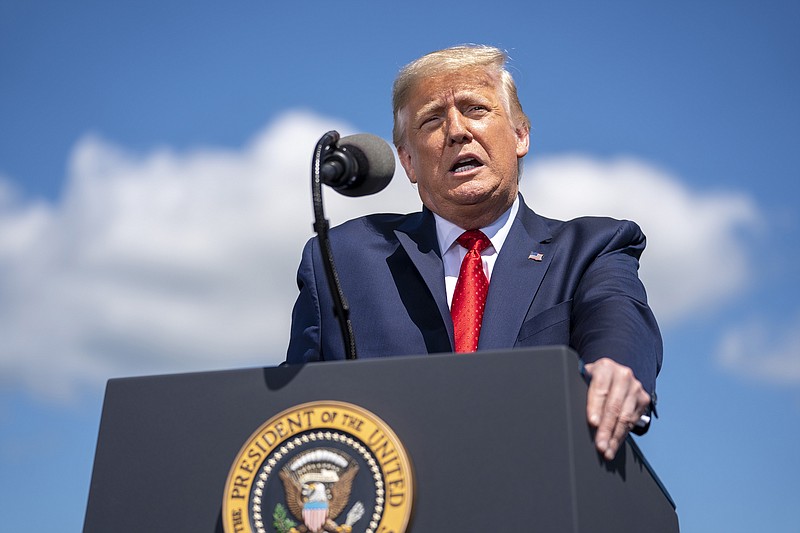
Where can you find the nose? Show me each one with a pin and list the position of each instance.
(457, 128)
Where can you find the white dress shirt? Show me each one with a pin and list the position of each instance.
(453, 253)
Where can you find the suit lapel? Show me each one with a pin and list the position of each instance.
(417, 236)
(516, 277)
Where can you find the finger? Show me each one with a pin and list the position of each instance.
(633, 407)
(628, 416)
(599, 387)
(610, 418)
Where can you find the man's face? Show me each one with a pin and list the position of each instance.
(461, 148)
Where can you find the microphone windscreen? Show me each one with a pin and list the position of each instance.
(375, 163)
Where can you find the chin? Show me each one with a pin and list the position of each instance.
(472, 193)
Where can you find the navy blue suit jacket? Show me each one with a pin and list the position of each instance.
(585, 292)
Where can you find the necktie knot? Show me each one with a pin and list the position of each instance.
(474, 240)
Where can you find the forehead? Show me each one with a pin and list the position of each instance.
(441, 89)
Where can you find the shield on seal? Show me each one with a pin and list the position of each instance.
(315, 514)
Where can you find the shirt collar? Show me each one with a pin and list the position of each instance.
(497, 231)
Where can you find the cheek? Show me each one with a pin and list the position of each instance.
(425, 160)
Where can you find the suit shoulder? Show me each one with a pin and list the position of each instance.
(378, 227)
(377, 222)
(593, 227)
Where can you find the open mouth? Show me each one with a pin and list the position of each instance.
(465, 165)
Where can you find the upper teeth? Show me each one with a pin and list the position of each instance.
(463, 166)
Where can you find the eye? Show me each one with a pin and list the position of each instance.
(429, 121)
(476, 110)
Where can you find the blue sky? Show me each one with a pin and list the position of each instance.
(154, 200)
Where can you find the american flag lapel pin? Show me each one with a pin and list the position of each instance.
(536, 256)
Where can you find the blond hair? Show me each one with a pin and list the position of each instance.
(451, 60)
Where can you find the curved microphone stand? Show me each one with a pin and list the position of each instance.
(340, 307)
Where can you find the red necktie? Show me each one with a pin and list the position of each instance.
(470, 294)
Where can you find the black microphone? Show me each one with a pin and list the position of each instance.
(358, 165)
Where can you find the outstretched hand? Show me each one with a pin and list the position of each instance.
(616, 402)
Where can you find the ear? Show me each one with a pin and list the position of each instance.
(523, 140)
(405, 160)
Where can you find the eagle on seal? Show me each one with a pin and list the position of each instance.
(316, 496)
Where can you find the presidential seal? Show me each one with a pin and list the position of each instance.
(323, 466)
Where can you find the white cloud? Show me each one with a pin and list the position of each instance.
(162, 262)
(694, 259)
(167, 261)
(762, 352)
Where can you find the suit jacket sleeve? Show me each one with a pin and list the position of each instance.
(305, 341)
(610, 315)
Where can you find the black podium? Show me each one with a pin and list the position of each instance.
(498, 441)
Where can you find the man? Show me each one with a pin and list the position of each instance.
(460, 133)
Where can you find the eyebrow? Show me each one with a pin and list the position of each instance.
(432, 107)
